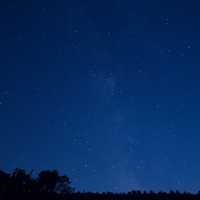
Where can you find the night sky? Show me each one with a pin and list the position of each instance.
(107, 92)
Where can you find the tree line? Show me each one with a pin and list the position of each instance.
(50, 185)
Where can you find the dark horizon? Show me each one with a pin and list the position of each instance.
(20, 182)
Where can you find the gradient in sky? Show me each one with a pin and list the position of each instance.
(106, 92)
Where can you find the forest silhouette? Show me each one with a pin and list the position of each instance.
(50, 185)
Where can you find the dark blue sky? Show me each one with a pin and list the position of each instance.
(106, 92)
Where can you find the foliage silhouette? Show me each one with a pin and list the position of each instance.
(20, 184)
(49, 185)
(51, 181)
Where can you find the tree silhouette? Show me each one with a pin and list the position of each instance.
(20, 184)
(51, 181)
(4, 182)
(49, 185)
(20, 181)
